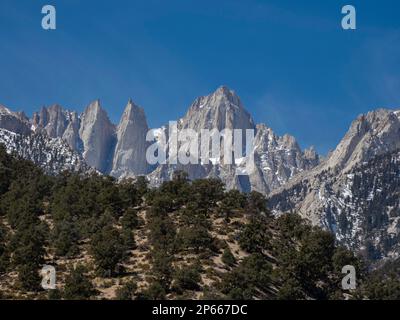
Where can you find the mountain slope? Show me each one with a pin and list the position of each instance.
(52, 155)
(353, 193)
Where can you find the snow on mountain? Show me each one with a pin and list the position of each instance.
(221, 110)
(53, 155)
(346, 193)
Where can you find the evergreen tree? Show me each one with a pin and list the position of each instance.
(188, 278)
(162, 268)
(4, 254)
(108, 250)
(255, 237)
(256, 203)
(77, 285)
(228, 258)
(127, 291)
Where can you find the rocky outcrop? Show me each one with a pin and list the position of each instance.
(71, 133)
(130, 151)
(277, 159)
(336, 195)
(14, 121)
(98, 137)
(53, 155)
(57, 122)
(220, 110)
(370, 135)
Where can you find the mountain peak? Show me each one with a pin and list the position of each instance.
(97, 135)
(130, 151)
(94, 106)
(4, 110)
(224, 93)
(132, 111)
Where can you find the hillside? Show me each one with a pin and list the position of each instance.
(183, 240)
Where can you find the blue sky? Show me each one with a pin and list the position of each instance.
(291, 63)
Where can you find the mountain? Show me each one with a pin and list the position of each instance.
(221, 110)
(354, 192)
(53, 155)
(120, 150)
(58, 123)
(40, 140)
(130, 151)
(279, 159)
(14, 121)
(98, 137)
(91, 134)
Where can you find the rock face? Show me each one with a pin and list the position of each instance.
(53, 120)
(130, 151)
(13, 121)
(277, 159)
(71, 133)
(370, 135)
(219, 110)
(59, 123)
(98, 137)
(53, 155)
(351, 193)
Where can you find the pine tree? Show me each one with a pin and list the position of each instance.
(108, 250)
(228, 258)
(127, 291)
(77, 285)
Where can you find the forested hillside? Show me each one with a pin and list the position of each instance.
(183, 240)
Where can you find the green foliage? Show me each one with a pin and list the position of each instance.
(55, 294)
(309, 265)
(4, 254)
(255, 236)
(28, 277)
(162, 233)
(228, 258)
(77, 285)
(196, 237)
(65, 239)
(232, 200)
(382, 283)
(187, 278)
(205, 194)
(108, 250)
(127, 291)
(162, 268)
(130, 219)
(27, 245)
(256, 203)
(250, 278)
(288, 258)
(155, 291)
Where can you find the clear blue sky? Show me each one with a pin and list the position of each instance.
(293, 66)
